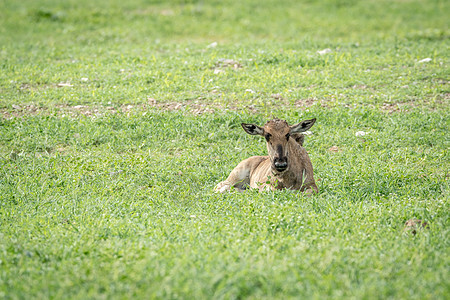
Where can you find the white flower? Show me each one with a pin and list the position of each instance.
(361, 133)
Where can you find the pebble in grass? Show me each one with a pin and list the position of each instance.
(334, 149)
(425, 60)
(324, 51)
(413, 226)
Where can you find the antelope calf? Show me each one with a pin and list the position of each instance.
(286, 167)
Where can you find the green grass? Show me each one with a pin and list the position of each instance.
(119, 117)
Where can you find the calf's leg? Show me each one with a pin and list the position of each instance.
(240, 176)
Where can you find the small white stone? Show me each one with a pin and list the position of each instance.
(324, 51)
(425, 60)
(212, 45)
(64, 84)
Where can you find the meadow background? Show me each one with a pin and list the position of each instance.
(119, 117)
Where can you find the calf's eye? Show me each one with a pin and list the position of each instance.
(267, 136)
(287, 136)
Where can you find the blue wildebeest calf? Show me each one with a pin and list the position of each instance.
(286, 167)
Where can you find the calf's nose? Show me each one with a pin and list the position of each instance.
(280, 164)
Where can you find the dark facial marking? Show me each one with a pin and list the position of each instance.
(267, 136)
(280, 151)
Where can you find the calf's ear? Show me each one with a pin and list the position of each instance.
(299, 138)
(253, 129)
(302, 126)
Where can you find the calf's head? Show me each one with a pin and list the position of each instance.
(278, 134)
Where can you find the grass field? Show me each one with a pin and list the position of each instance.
(119, 117)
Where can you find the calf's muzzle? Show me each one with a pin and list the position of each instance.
(280, 164)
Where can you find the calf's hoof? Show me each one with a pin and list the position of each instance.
(222, 187)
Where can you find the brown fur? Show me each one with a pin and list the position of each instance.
(299, 138)
(261, 171)
(413, 226)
